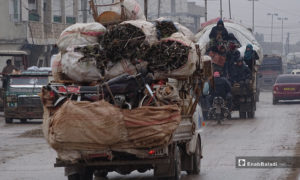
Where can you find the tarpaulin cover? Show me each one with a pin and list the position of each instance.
(242, 34)
(89, 126)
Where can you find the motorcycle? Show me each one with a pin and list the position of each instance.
(124, 91)
(219, 111)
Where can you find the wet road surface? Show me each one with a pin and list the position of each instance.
(273, 132)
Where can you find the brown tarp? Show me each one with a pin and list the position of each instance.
(85, 126)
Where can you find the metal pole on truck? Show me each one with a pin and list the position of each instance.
(158, 9)
(221, 9)
(146, 8)
(205, 10)
(229, 3)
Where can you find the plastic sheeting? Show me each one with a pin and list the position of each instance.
(242, 34)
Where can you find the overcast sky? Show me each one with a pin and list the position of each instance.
(242, 11)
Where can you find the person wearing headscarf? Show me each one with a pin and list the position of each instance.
(250, 56)
(219, 32)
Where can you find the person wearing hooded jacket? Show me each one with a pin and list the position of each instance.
(240, 73)
(250, 56)
(219, 32)
(222, 88)
(232, 56)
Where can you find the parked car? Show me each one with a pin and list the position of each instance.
(286, 87)
(296, 71)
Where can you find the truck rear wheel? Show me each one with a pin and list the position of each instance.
(196, 160)
(275, 101)
(242, 115)
(173, 170)
(100, 173)
(177, 163)
(251, 114)
(23, 120)
(87, 175)
(8, 120)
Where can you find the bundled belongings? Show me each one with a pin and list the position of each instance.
(120, 10)
(128, 40)
(56, 68)
(172, 57)
(80, 34)
(185, 31)
(96, 53)
(118, 129)
(79, 67)
(124, 67)
(165, 28)
(168, 94)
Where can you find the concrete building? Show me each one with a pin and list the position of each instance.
(34, 25)
(182, 11)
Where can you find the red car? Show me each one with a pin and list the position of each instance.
(286, 87)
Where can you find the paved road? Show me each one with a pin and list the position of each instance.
(274, 132)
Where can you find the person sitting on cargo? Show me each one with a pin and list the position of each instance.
(9, 68)
(233, 54)
(250, 56)
(219, 32)
(240, 73)
(218, 56)
(232, 39)
(222, 88)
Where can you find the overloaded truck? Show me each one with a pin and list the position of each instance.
(124, 97)
(244, 97)
(269, 69)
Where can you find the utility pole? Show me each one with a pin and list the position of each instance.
(146, 8)
(287, 44)
(158, 9)
(229, 2)
(205, 10)
(282, 19)
(272, 22)
(221, 9)
(253, 13)
(84, 10)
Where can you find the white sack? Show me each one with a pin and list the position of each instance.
(78, 70)
(80, 34)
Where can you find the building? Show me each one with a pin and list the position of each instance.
(182, 11)
(35, 25)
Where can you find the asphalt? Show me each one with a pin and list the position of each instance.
(273, 132)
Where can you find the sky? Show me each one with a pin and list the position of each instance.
(242, 12)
